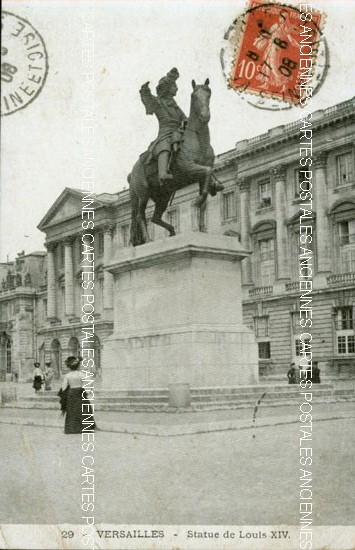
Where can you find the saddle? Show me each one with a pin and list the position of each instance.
(150, 163)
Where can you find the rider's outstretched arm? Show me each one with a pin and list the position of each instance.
(150, 102)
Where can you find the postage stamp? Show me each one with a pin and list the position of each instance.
(275, 51)
(24, 63)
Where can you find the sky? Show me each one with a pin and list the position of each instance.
(135, 42)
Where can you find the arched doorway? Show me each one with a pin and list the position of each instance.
(74, 347)
(56, 358)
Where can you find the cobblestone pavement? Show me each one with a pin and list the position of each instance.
(227, 477)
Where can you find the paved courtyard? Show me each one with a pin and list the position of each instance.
(224, 477)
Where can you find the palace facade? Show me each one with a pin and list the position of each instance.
(41, 293)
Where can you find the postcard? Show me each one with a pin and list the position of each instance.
(177, 274)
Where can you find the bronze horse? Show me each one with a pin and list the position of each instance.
(192, 163)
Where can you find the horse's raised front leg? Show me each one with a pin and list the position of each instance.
(160, 208)
(142, 219)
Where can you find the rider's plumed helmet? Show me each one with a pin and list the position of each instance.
(166, 82)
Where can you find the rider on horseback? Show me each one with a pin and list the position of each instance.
(171, 121)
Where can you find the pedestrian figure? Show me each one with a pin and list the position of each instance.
(291, 374)
(38, 377)
(315, 373)
(73, 397)
(48, 376)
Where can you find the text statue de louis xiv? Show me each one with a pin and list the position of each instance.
(180, 155)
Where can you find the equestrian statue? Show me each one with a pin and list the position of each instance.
(180, 155)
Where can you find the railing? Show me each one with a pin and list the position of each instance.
(344, 106)
(341, 279)
(290, 128)
(292, 286)
(257, 139)
(261, 290)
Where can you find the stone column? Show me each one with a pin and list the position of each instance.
(244, 188)
(51, 285)
(279, 177)
(69, 278)
(321, 206)
(108, 277)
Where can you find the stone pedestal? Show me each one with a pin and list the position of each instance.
(178, 316)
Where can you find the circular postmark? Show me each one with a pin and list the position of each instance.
(24, 63)
(274, 54)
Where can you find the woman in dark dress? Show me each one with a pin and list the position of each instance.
(72, 396)
(38, 378)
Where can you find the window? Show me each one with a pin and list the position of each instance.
(344, 318)
(264, 194)
(261, 326)
(347, 245)
(125, 234)
(172, 217)
(264, 350)
(346, 344)
(8, 356)
(301, 183)
(347, 232)
(345, 169)
(266, 262)
(304, 346)
(228, 206)
(100, 244)
(344, 325)
(202, 214)
(198, 217)
(348, 261)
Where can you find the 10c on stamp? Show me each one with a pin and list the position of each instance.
(274, 46)
(24, 63)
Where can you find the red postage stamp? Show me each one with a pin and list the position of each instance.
(276, 51)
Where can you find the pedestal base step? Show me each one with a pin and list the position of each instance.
(200, 398)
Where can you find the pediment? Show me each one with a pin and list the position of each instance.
(69, 207)
(68, 204)
(264, 226)
(343, 209)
